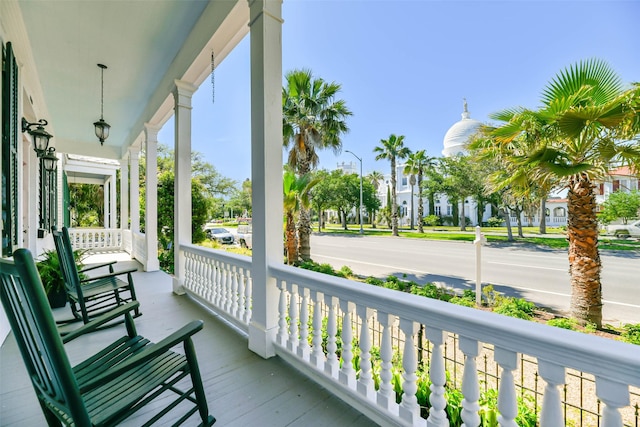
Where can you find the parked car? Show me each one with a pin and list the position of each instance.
(244, 236)
(220, 235)
(631, 229)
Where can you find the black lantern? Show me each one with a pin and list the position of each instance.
(102, 127)
(50, 160)
(40, 136)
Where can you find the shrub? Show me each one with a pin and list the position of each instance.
(346, 271)
(515, 307)
(564, 323)
(494, 222)
(430, 290)
(631, 333)
(490, 296)
(374, 281)
(432, 220)
(462, 301)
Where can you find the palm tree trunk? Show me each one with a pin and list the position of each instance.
(584, 257)
(394, 202)
(504, 212)
(543, 215)
(292, 245)
(420, 206)
(304, 218)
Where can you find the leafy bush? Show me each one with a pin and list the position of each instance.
(374, 281)
(462, 301)
(564, 323)
(490, 296)
(432, 220)
(515, 307)
(631, 333)
(346, 271)
(430, 290)
(494, 222)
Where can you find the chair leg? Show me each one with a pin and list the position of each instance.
(132, 290)
(52, 420)
(194, 371)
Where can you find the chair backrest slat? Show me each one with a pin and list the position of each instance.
(67, 262)
(25, 303)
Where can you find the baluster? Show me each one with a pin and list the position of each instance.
(347, 373)
(223, 284)
(386, 395)
(216, 283)
(234, 291)
(366, 385)
(470, 386)
(409, 409)
(303, 345)
(507, 402)
(282, 336)
(210, 282)
(292, 343)
(614, 395)
(332, 365)
(228, 287)
(553, 374)
(187, 270)
(242, 280)
(317, 354)
(437, 414)
(247, 300)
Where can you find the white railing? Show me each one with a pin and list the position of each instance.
(96, 239)
(139, 247)
(221, 280)
(560, 220)
(127, 241)
(312, 305)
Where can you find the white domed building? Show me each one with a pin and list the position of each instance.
(457, 137)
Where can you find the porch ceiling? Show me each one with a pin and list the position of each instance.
(145, 45)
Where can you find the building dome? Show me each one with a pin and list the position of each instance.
(457, 137)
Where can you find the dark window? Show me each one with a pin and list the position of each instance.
(47, 201)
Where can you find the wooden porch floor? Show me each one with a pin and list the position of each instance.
(242, 389)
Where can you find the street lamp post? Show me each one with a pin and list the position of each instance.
(360, 213)
(412, 181)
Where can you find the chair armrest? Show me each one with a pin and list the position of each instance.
(95, 323)
(106, 276)
(93, 267)
(150, 351)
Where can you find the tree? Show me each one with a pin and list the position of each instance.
(416, 164)
(620, 205)
(374, 177)
(589, 123)
(296, 190)
(321, 195)
(462, 179)
(312, 120)
(392, 149)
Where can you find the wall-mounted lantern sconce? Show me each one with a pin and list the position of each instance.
(50, 160)
(40, 136)
(102, 127)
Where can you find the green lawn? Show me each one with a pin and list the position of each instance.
(554, 239)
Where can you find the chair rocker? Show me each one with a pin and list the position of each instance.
(110, 386)
(90, 297)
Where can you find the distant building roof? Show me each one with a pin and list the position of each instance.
(457, 137)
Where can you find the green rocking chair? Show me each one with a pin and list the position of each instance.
(90, 297)
(108, 387)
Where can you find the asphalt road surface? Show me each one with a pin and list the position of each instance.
(537, 274)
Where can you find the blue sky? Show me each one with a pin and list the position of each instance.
(405, 66)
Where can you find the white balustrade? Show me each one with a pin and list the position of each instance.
(389, 320)
(96, 239)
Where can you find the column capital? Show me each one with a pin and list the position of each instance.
(182, 93)
(134, 153)
(151, 132)
(271, 8)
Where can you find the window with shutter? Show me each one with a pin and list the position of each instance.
(10, 136)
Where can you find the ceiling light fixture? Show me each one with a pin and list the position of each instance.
(102, 127)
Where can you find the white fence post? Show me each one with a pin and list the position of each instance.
(478, 242)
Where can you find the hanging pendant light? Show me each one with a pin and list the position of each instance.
(102, 127)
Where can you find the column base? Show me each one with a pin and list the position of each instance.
(261, 341)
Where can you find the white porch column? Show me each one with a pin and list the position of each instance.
(113, 206)
(124, 193)
(134, 157)
(151, 198)
(266, 168)
(182, 94)
(105, 203)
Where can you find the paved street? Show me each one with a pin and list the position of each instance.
(537, 274)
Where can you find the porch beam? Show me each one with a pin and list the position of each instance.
(151, 198)
(182, 93)
(266, 168)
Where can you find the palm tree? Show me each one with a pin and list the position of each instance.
(392, 149)
(295, 191)
(374, 178)
(416, 165)
(589, 121)
(311, 120)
